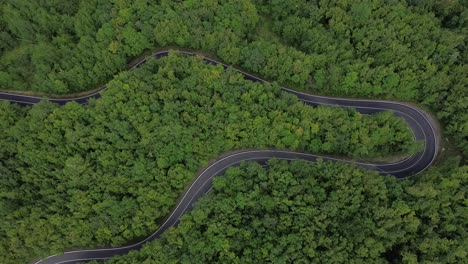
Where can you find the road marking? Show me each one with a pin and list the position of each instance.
(166, 53)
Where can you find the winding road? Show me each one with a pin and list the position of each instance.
(423, 127)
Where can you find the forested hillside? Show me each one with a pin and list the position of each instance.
(319, 213)
(109, 172)
(77, 177)
(408, 50)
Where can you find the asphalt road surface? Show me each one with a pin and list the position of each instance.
(419, 122)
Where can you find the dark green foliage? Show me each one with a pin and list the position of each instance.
(372, 48)
(285, 65)
(439, 200)
(365, 48)
(77, 176)
(361, 48)
(76, 46)
(319, 213)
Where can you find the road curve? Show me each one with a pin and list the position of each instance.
(418, 121)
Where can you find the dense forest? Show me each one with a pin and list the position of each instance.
(109, 172)
(408, 50)
(319, 213)
(77, 176)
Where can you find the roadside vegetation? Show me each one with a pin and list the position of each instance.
(407, 50)
(86, 176)
(106, 173)
(302, 212)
